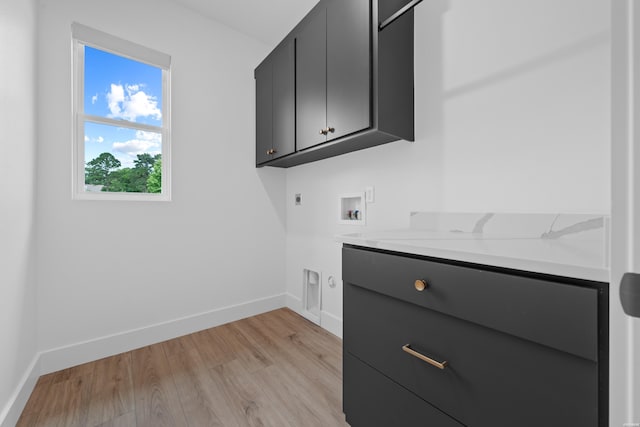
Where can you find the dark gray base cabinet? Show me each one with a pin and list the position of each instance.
(507, 349)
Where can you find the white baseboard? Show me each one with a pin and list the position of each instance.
(328, 321)
(95, 349)
(294, 303)
(18, 400)
(331, 323)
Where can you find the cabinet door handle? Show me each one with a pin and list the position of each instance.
(440, 365)
(323, 131)
(332, 130)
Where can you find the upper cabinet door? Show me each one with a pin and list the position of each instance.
(284, 100)
(348, 67)
(264, 105)
(275, 104)
(311, 88)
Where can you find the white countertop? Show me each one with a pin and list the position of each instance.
(582, 255)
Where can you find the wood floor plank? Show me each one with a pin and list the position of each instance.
(252, 405)
(308, 374)
(316, 366)
(68, 401)
(236, 344)
(112, 391)
(308, 343)
(212, 348)
(294, 398)
(37, 400)
(276, 369)
(197, 397)
(279, 323)
(156, 398)
(124, 420)
(73, 372)
(177, 345)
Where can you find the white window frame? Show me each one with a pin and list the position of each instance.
(85, 36)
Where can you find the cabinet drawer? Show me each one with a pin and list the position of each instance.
(554, 314)
(492, 379)
(373, 400)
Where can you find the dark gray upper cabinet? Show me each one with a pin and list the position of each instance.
(275, 104)
(353, 84)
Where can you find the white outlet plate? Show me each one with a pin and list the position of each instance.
(370, 195)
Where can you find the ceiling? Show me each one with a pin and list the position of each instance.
(265, 20)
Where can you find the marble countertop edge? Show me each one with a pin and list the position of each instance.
(581, 259)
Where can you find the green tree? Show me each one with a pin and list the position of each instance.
(154, 182)
(97, 170)
(130, 180)
(145, 161)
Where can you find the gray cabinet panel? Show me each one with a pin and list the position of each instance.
(264, 101)
(372, 400)
(348, 67)
(311, 74)
(284, 100)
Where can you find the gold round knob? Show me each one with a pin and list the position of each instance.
(420, 285)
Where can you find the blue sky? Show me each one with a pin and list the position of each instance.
(121, 88)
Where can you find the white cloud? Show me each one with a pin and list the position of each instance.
(94, 99)
(144, 142)
(149, 136)
(98, 139)
(132, 104)
(114, 98)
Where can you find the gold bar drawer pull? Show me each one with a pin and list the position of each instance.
(440, 365)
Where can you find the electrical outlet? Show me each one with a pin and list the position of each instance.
(369, 194)
(332, 282)
(298, 199)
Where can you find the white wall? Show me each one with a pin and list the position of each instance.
(111, 267)
(17, 192)
(512, 115)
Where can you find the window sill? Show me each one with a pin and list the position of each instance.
(124, 197)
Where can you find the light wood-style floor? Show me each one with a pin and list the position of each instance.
(275, 369)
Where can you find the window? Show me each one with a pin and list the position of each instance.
(121, 148)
